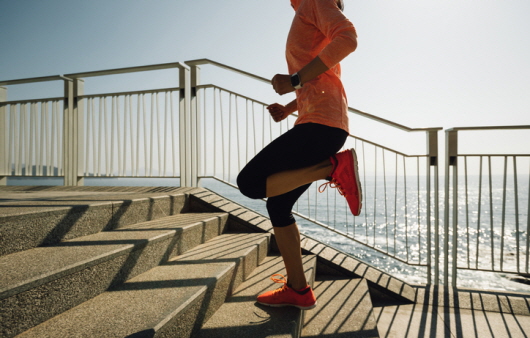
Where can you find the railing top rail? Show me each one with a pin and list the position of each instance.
(390, 123)
(42, 100)
(127, 70)
(489, 128)
(296, 115)
(494, 155)
(199, 62)
(34, 79)
(192, 63)
(133, 92)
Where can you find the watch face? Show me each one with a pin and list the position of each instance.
(295, 80)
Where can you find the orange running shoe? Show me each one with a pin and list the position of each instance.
(345, 177)
(286, 296)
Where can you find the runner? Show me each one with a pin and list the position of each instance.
(320, 37)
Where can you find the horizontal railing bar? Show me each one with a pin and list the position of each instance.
(221, 180)
(122, 176)
(390, 123)
(356, 240)
(48, 99)
(34, 80)
(494, 155)
(150, 91)
(265, 104)
(125, 70)
(490, 128)
(234, 93)
(37, 176)
(265, 80)
(199, 62)
(98, 176)
(489, 270)
(386, 148)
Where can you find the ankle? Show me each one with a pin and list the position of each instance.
(298, 286)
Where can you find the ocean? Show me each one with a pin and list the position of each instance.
(401, 240)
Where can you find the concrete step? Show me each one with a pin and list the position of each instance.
(344, 310)
(40, 283)
(170, 300)
(241, 316)
(332, 261)
(32, 218)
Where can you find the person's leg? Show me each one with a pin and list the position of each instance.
(299, 156)
(288, 240)
(287, 235)
(283, 171)
(288, 180)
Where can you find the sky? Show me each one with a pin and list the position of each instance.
(435, 63)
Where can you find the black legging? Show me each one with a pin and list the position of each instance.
(302, 146)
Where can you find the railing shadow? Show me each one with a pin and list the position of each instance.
(444, 314)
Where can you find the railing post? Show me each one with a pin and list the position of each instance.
(79, 114)
(4, 170)
(73, 137)
(185, 132)
(432, 152)
(195, 123)
(451, 157)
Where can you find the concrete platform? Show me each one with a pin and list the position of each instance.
(397, 308)
(427, 321)
(344, 310)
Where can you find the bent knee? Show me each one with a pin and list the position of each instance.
(279, 213)
(248, 186)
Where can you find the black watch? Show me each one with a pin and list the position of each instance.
(295, 81)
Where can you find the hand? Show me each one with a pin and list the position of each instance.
(282, 84)
(278, 112)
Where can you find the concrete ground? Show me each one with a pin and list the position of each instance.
(465, 316)
(424, 320)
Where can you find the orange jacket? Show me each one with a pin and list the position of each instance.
(320, 29)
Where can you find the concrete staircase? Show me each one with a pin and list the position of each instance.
(166, 262)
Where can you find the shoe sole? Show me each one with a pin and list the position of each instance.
(283, 305)
(357, 181)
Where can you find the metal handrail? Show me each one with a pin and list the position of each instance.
(200, 62)
(125, 70)
(34, 80)
(133, 92)
(490, 128)
(390, 123)
(57, 98)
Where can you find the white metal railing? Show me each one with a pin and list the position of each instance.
(31, 139)
(194, 131)
(487, 202)
(76, 136)
(236, 127)
(132, 134)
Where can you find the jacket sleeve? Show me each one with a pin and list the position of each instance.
(330, 20)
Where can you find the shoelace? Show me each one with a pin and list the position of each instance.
(332, 184)
(282, 279)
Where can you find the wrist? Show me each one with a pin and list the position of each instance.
(291, 107)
